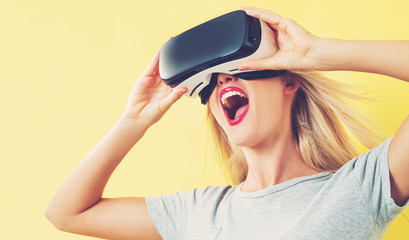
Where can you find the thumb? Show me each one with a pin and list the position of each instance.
(169, 100)
(261, 64)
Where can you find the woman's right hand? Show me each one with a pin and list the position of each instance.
(150, 97)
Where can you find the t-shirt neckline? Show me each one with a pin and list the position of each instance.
(280, 186)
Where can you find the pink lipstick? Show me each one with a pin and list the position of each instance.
(235, 104)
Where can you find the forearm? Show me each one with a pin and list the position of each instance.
(84, 187)
(389, 58)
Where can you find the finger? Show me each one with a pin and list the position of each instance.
(258, 10)
(169, 100)
(153, 65)
(261, 64)
(269, 17)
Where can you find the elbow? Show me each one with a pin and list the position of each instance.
(56, 218)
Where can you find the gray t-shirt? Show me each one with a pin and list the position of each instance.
(352, 203)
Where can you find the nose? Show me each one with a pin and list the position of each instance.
(225, 78)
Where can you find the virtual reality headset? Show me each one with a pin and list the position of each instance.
(194, 58)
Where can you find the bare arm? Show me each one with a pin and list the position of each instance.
(383, 57)
(300, 50)
(78, 206)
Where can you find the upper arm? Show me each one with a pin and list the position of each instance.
(399, 164)
(117, 218)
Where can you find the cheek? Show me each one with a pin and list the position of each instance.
(268, 102)
(215, 108)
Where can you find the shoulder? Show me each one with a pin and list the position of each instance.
(373, 160)
(369, 171)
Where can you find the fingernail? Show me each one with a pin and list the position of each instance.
(182, 91)
(243, 68)
(250, 12)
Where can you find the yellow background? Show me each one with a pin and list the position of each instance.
(66, 71)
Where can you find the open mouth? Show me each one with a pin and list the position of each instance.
(235, 104)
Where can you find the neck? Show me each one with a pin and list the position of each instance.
(274, 161)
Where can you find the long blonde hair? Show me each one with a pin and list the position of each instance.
(323, 126)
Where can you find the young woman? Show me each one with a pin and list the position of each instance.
(299, 175)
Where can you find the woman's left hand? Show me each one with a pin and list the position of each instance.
(297, 48)
(300, 50)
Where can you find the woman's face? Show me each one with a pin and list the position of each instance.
(251, 111)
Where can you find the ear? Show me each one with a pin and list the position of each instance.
(290, 88)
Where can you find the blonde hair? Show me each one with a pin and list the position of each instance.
(322, 125)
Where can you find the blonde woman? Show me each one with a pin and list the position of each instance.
(298, 173)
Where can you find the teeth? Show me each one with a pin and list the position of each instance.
(229, 94)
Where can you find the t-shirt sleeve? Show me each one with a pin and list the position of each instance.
(169, 213)
(372, 173)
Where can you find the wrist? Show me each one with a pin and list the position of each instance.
(344, 55)
(322, 56)
(133, 129)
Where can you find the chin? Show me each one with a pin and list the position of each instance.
(243, 134)
(253, 132)
(241, 142)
